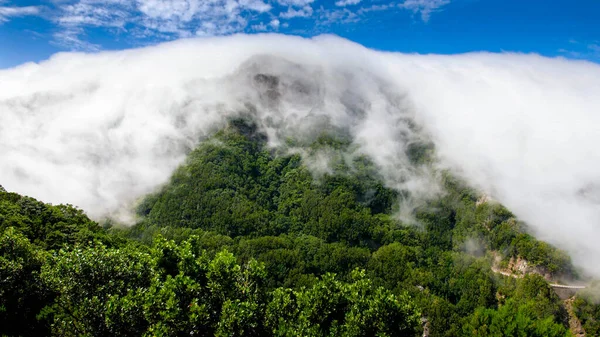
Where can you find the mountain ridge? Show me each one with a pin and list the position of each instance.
(279, 235)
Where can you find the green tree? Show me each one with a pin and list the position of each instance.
(22, 294)
(513, 319)
(85, 278)
(334, 308)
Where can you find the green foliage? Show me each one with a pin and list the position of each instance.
(546, 302)
(22, 295)
(395, 264)
(420, 152)
(533, 309)
(175, 290)
(333, 308)
(586, 306)
(513, 319)
(493, 226)
(243, 241)
(293, 261)
(47, 226)
(85, 278)
(233, 187)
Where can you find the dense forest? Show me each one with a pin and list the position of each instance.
(245, 240)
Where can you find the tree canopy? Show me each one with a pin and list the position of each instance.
(248, 241)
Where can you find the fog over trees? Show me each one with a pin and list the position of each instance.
(229, 186)
(243, 241)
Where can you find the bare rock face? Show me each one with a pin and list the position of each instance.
(522, 267)
(425, 324)
(268, 86)
(483, 199)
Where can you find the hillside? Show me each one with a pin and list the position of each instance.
(249, 240)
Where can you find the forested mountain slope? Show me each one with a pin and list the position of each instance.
(246, 240)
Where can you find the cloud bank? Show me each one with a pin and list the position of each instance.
(101, 130)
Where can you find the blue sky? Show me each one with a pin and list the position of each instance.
(32, 30)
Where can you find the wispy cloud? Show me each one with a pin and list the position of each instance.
(95, 13)
(375, 8)
(155, 20)
(261, 27)
(303, 12)
(594, 48)
(342, 3)
(337, 16)
(295, 3)
(72, 39)
(589, 50)
(275, 24)
(7, 12)
(424, 7)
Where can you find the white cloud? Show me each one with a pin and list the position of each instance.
(346, 15)
(172, 19)
(295, 3)
(261, 27)
(7, 12)
(303, 12)
(94, 13)
(176, 10)
(342, 3)
(169, 19)
(424, 7)
(256, 5)
(338, 16)
(71, 38)
(164, 18)
(223, 27)
(375, 8)
(101, 130)
(589, 50)
(73, 17)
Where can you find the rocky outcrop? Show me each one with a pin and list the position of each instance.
(574, 322)
(519, 267)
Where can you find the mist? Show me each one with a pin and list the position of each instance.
(102, 130)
